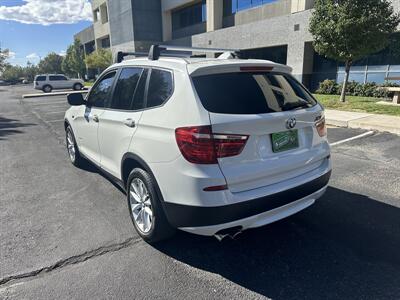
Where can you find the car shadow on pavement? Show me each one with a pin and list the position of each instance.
(346, 246)
(90, 167)
(11, 126)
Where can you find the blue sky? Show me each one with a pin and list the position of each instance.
(31, 29)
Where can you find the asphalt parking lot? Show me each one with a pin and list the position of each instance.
(65, 232)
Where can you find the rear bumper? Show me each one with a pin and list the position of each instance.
(186, 217)
(260, 219)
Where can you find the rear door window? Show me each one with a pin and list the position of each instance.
(57, 78)
(40, 78)
(251, 93)
(125, 88)
(160, 87)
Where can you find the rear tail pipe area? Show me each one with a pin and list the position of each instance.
(232, 232)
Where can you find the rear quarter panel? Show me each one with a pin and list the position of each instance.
(154, 140)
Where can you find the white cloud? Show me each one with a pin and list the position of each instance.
(46, 12)
(11, 54)
(8, 54)
(63, 53)
(32, 56)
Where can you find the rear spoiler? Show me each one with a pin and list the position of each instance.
(237, 66)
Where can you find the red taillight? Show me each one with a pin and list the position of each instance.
(321, 127)
(216, 188)
(200, 145)
(255, 69)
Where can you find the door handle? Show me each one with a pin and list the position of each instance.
(130, 123)
(95, 118)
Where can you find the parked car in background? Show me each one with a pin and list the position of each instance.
(12, 81)
(49, 82)
(2, 82)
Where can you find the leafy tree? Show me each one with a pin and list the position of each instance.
(51, 64)
(73, 63)
(3, 59)
(30, 71)
(348, 30)
(13, 73)
(101, 59)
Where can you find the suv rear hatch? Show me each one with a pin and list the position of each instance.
(275, 112)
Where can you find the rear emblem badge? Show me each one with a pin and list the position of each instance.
(291, 123)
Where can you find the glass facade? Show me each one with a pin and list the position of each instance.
(238, 5)
(374, 68)
(365, 74)
(189, 15)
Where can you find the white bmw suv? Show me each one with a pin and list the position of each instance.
(208, 146)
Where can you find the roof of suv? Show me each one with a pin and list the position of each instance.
(197, 65)
(50, 75)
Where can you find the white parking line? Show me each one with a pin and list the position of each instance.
(51, 108)
(48, 103)
(55, 112)
(55, 121)
(365, 134)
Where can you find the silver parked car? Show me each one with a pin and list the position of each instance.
(48, 82)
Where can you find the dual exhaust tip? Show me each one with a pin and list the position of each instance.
(232, 232)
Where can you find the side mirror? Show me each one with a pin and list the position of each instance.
(75, 99)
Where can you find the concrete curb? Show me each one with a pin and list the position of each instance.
(363, 120)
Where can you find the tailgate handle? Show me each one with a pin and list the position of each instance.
(130, 123)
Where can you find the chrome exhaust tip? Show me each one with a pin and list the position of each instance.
(232, 233)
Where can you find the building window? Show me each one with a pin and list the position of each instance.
(104, 13)
(105, 43)
(365, 74)
(189, 15)
(238, 5)
(96, 15)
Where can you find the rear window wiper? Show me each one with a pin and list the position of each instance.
(290, 106)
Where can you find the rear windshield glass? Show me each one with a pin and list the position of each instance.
(251, 93)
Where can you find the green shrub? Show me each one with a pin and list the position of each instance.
(327, 87)
(381, 93)
(370, 89)
(365, 90)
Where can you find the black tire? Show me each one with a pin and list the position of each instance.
(47, 88)
(77, 160)
(77, 86)
(160, 228)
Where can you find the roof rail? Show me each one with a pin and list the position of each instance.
(155, 50)
(120, 55)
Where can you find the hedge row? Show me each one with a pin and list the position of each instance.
(330, 87)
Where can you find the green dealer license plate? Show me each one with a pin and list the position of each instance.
(286, 140)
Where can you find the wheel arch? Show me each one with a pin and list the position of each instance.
(131, 161)
(66, 124)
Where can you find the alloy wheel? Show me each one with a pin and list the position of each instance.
(140, 203)
(71, 146)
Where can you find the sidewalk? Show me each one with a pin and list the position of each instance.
(363, 120)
